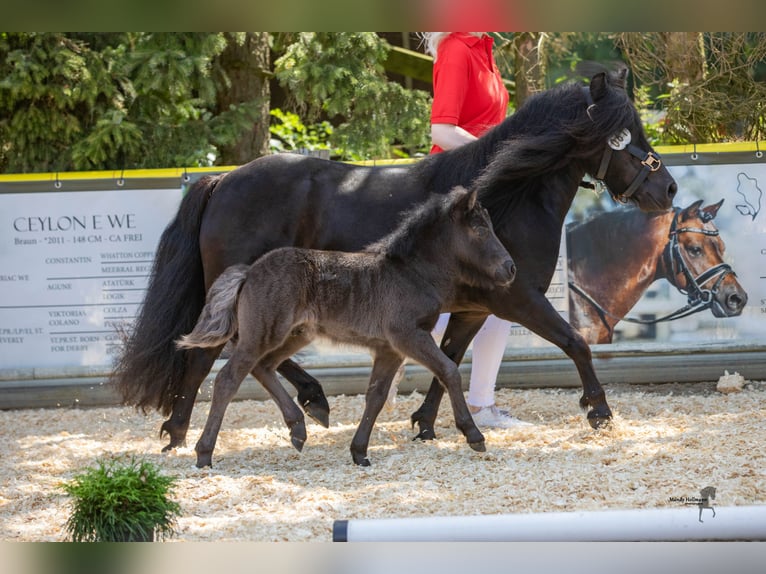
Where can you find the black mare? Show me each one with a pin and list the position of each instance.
(527, 171)
(386, 298)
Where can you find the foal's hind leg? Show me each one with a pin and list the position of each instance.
(291, 414)
(384, 368)
(310, 394)
(461, 329)
(198, 364)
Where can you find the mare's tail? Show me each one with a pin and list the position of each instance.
(150, 370)
(218, 321)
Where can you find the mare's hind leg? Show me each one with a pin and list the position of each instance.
(226, 384)
(384, 367)
(461, 329)
(421, 347)
(310, 394)
(198, 364)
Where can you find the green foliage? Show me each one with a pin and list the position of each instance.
(107, 101)
(289, 133)
(121, 500)
(90, 101)
(340, 76)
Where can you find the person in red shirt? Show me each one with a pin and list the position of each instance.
(470, 98)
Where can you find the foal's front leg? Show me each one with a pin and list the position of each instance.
(461, 329)
(420, 346)
(384, 368)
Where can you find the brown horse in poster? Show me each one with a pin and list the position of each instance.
(615, 257)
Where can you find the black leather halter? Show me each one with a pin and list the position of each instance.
(650, 161)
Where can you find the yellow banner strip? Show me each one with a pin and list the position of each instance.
(171, 173)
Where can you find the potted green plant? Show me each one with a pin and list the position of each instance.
(121, 500)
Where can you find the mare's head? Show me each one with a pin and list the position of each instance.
(622, 158)
(453, 233)
(694, 261)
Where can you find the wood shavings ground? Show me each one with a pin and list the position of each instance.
(667, 441)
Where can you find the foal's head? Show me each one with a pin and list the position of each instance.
(454, 233)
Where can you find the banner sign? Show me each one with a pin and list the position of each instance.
(75, 265)
(74, 269)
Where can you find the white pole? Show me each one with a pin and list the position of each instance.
(672, 524)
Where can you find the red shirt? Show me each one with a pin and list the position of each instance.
(468, 88)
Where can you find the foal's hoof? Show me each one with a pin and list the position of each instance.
(204, 460)
(298, 435)
(297, 443)
(478, 446)
(362, 461)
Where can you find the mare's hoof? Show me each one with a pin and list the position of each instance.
(297, 443)
(319, 410)
(425, 434)
(478, 446)
(176, 439)
(600, 420)
(363, 462)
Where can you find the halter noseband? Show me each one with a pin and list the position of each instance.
(650, 161)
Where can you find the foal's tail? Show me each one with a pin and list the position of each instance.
(218, 321)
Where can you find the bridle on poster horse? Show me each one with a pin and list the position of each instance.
(698, 297)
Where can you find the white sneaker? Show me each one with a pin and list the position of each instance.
(493, 417)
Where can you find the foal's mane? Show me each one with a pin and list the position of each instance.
(549, 132)
(417, 225)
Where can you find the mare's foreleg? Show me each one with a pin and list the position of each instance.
(461, 329)
(543, 319)
(384, 368)
(226, 384)
(198, 364)
(310, 394)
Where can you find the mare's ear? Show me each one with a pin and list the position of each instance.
(598, 86)
(622, 77)
(709, 212)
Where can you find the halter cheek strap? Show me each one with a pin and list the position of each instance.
(650, 161)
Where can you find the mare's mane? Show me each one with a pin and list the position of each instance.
(416, 227)
(549, 131)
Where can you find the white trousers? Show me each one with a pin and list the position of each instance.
(488, 349)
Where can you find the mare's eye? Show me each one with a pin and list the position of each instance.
(694, 251)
